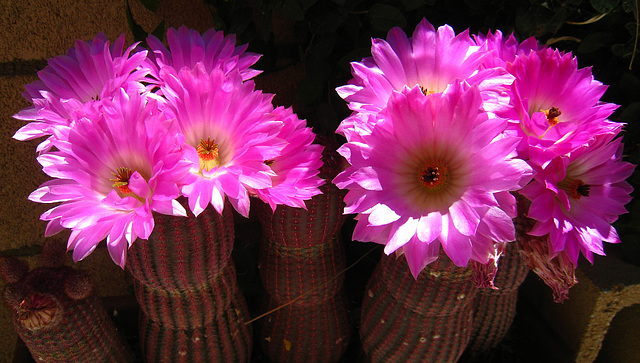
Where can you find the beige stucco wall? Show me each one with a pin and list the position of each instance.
(32, 31)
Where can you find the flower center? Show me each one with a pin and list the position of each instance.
(552, 115)
(208, 153)
(37, 311)
(575, 188)
(434, 176)
(121, 182)
(426, 91)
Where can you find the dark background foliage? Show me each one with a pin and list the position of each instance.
(328, 34)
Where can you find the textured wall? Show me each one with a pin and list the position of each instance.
(31, 31)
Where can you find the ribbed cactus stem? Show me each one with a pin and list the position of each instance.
(302, 260)
(495, 309)
(185, 282)
(57, 315)
(424, 320)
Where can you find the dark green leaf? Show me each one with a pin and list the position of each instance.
(158, 32)
(631, 27)
(239, 20)
(409, 5)
(631, 113)
(308, 91)
(355, 55)
(595, 41)
(384, 17)
(306, 4)
(139, 34)
(525, 24)
(151, 4)
(604, 6)
(326, 23)
(265, 31)
(630, 84)
(629, 6)
(292, 10)
(323, 48)
(621, 50)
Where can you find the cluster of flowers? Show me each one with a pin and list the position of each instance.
(129, 131)
(447, 129)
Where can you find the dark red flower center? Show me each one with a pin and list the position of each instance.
(552, 115)
(434, 176)
(575, 188)
(208, 153)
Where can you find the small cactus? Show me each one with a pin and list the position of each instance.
(56, 313)
(495, 309)
(185, 282)
(301, 259)
(424, 320)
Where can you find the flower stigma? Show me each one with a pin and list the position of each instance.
(575, 188)
(121, 182)
(208, 154)
(434, 176)
(426, 91)
(552, 115)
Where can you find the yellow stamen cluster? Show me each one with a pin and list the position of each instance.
(426, 91)
(208, 154)
(552, 115)
(121, 180)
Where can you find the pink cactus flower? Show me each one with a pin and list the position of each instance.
(296, 167)
(112, 169)
(435, 171)
(213, 50)
(575, 198)
(229, 136)
(431, 59)
(504, 50)
(89, 72)
(557, 106)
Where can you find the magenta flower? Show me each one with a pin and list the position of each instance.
(504, 50)
(213, 50)
(557, 106)
(90, 71)
(229, 135)
(112, 169)
(298, 165)
(431, 59)
(436, 171)
(576, 197)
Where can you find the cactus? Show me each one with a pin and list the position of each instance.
(185, 282)
(301, 259)
(56, 313)
(495, 309)
(423, 320)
